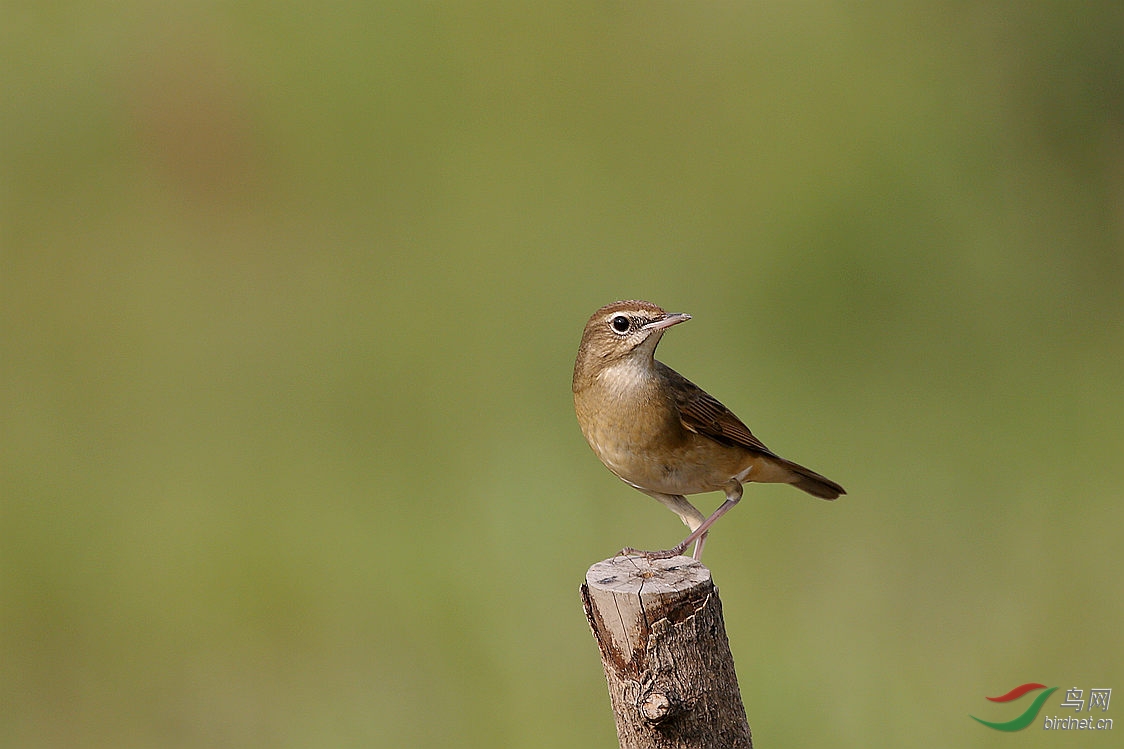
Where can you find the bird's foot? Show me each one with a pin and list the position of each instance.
(662, 554)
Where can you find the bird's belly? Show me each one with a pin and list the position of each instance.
(687, 466)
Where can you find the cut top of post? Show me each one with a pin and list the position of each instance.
(632, 593)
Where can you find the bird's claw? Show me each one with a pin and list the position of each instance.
(662, 554)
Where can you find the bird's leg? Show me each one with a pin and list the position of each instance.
(686, 511)
(698, 535)
(698, 546)
(693, 519)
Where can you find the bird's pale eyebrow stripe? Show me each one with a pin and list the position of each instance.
(637, 315)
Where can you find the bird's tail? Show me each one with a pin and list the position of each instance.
(812, 482)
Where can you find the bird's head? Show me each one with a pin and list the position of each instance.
(621, 330)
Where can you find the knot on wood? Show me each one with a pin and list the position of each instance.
(658, 705)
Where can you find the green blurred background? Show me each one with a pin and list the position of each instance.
(290, 298)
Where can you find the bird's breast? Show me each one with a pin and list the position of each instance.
(636, 432)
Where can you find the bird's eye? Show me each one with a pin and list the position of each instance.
(620, 324)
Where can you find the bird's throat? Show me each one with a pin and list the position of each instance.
(631, 378)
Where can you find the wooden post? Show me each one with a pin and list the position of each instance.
(665, 654)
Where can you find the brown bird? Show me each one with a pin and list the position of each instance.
(662, 434)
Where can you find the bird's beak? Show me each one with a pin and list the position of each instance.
(671, 318)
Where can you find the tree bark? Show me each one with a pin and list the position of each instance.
(667, 661)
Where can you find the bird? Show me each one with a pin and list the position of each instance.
(662, 434)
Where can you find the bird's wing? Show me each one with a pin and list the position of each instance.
(703, 414)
